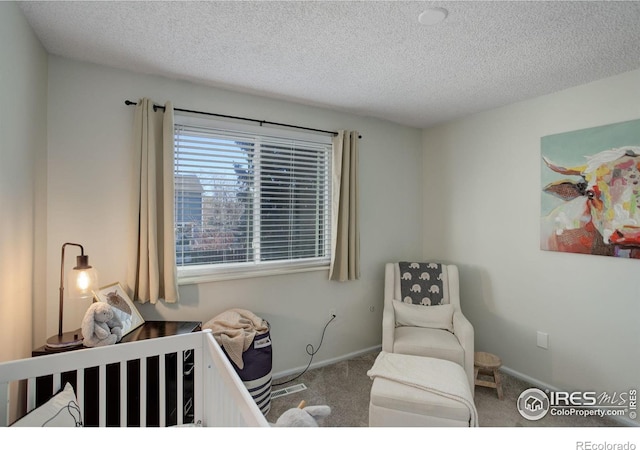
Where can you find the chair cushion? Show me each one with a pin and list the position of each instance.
(438, 316)
(428, 342)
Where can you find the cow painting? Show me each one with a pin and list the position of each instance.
(600, 213)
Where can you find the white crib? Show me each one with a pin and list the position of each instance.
(140, 379)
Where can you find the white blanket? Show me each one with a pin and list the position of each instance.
(234, 331)
(404, 368)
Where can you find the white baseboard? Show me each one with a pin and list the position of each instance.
(625, 421)
(326, 362)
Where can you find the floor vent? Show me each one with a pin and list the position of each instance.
(288, 390)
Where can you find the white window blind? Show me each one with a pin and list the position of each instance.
(248, 201)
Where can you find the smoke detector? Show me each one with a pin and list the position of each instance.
(432, 16)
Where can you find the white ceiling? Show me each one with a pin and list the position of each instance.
(371, 58)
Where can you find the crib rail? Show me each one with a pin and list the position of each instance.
(234, 406)
(219, 397)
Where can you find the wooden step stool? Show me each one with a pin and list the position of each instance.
(487, 364)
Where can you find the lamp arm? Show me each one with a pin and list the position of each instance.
(62, 283)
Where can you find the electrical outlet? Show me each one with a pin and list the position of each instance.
(333, 312)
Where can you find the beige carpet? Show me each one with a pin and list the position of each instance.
(345, 387)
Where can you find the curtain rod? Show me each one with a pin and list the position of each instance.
(261, 122)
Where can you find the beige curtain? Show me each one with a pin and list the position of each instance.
(345, 230)
(152, 266)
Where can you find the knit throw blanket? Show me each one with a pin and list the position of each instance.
(426, 373)
(423, 283)
(234, 331)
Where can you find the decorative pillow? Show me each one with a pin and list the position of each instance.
(437, 316)
(60, 411)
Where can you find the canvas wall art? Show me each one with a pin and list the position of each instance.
(590, 191)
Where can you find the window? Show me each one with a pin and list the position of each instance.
(250, 199)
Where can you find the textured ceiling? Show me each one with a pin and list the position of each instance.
(371, 58)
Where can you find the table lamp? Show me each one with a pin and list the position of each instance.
(83, 279)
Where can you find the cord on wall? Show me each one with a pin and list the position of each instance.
(311, 352)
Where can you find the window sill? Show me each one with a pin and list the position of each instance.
(189, 276)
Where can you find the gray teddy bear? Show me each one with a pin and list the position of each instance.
(302, 416)
(101, 326)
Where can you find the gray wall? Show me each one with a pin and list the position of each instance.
(482, 211)
(23, 93)
(90, 134)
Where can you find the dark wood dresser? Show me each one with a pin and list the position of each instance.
(148, 330)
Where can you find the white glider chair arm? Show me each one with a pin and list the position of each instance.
(388, 313)
(463, 330)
